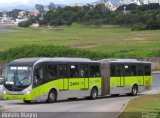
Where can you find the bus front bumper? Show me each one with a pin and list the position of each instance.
(7, 96)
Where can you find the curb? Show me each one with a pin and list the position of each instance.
(124, 106)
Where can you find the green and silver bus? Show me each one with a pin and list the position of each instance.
(51, 79)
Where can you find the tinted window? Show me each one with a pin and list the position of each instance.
(1, 81)
(130, 70)
(147, 70)
(39, 75)
(140, 70)
(83, 71)
(63, 71)
(51, 72)
(74, 71)
(115, 70)
(94, 71)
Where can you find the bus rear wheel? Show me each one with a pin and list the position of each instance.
(134, 91)
(94, 93)
(52, 96)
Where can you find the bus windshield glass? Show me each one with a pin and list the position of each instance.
(19, 76)
(1, 81)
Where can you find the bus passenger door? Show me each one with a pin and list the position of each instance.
(63, 74)
(120, 75)
(84, 76)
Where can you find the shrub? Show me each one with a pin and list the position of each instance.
(138, 26)
(25, 23)
(48, 51)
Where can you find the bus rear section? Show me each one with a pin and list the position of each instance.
(125, 76)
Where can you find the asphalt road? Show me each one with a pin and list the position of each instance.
(3, 30)
(102, 107)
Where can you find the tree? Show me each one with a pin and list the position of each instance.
(40, 8)
(51, 6)
(125, 19)
(152, 24)
(14, 13)
(132, 7)
(138, 26)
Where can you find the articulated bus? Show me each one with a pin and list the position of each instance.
(51, 79)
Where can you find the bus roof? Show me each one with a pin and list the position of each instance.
(32, 61)
(124, 61)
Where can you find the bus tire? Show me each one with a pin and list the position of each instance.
(94, 93)
(26, 101)
(134, 90)
(52, 96)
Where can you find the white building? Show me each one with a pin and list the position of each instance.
(139, 2)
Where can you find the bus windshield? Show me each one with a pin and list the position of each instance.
(1, 81)
(18, 76)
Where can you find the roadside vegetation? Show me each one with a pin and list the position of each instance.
(47, 51)
(106, 41)
(144, 105)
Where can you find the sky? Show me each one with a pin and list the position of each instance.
(44, 2)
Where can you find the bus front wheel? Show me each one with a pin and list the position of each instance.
(94, 93)
(52, 96)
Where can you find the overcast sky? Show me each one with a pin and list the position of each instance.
(45, 2)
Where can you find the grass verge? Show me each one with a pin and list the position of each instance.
(144, 105)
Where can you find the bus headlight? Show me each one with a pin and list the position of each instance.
(28, 92)
(4, 92)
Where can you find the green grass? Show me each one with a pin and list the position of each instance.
(120, 41)
(144, 104)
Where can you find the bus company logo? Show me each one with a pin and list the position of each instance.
(74, 83)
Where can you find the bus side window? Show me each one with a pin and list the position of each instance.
(74, 71)
(140, 70)
(94, 71)
(51, 71)
(133, 70)
(130, 70)
(38, 73)
(83, 71)
(147, 70)
(118, 70)
(63, 71)
(113, 71)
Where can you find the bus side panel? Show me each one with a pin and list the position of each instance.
(94, 82)
(114, 81)
(147, 82)
(129, 81)
(60, 84)
(74, 84)
(41, 92)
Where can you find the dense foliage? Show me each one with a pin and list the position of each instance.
(25, 23)
(47, 51)
(14, 13)
(62, 51)
(146, 15)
